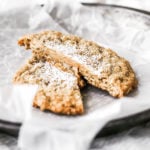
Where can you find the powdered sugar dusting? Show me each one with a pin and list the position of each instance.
(52, 76)
(66, 48)
(91, 62)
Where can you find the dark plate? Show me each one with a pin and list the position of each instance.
(112, 127)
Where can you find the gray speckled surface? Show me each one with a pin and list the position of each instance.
(135, 139)
(8, 142)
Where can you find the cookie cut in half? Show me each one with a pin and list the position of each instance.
(100, 66)
(58, 89)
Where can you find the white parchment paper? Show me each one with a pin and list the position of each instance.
(127, 32)
(16, 102)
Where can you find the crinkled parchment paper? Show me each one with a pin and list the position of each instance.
(16, 102)
(126, 32)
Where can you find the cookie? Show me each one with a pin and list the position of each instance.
(100, 66)
(58, 90)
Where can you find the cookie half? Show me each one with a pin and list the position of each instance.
(58, 90)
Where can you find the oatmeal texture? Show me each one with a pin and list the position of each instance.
(58, 90)
(100, 66)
